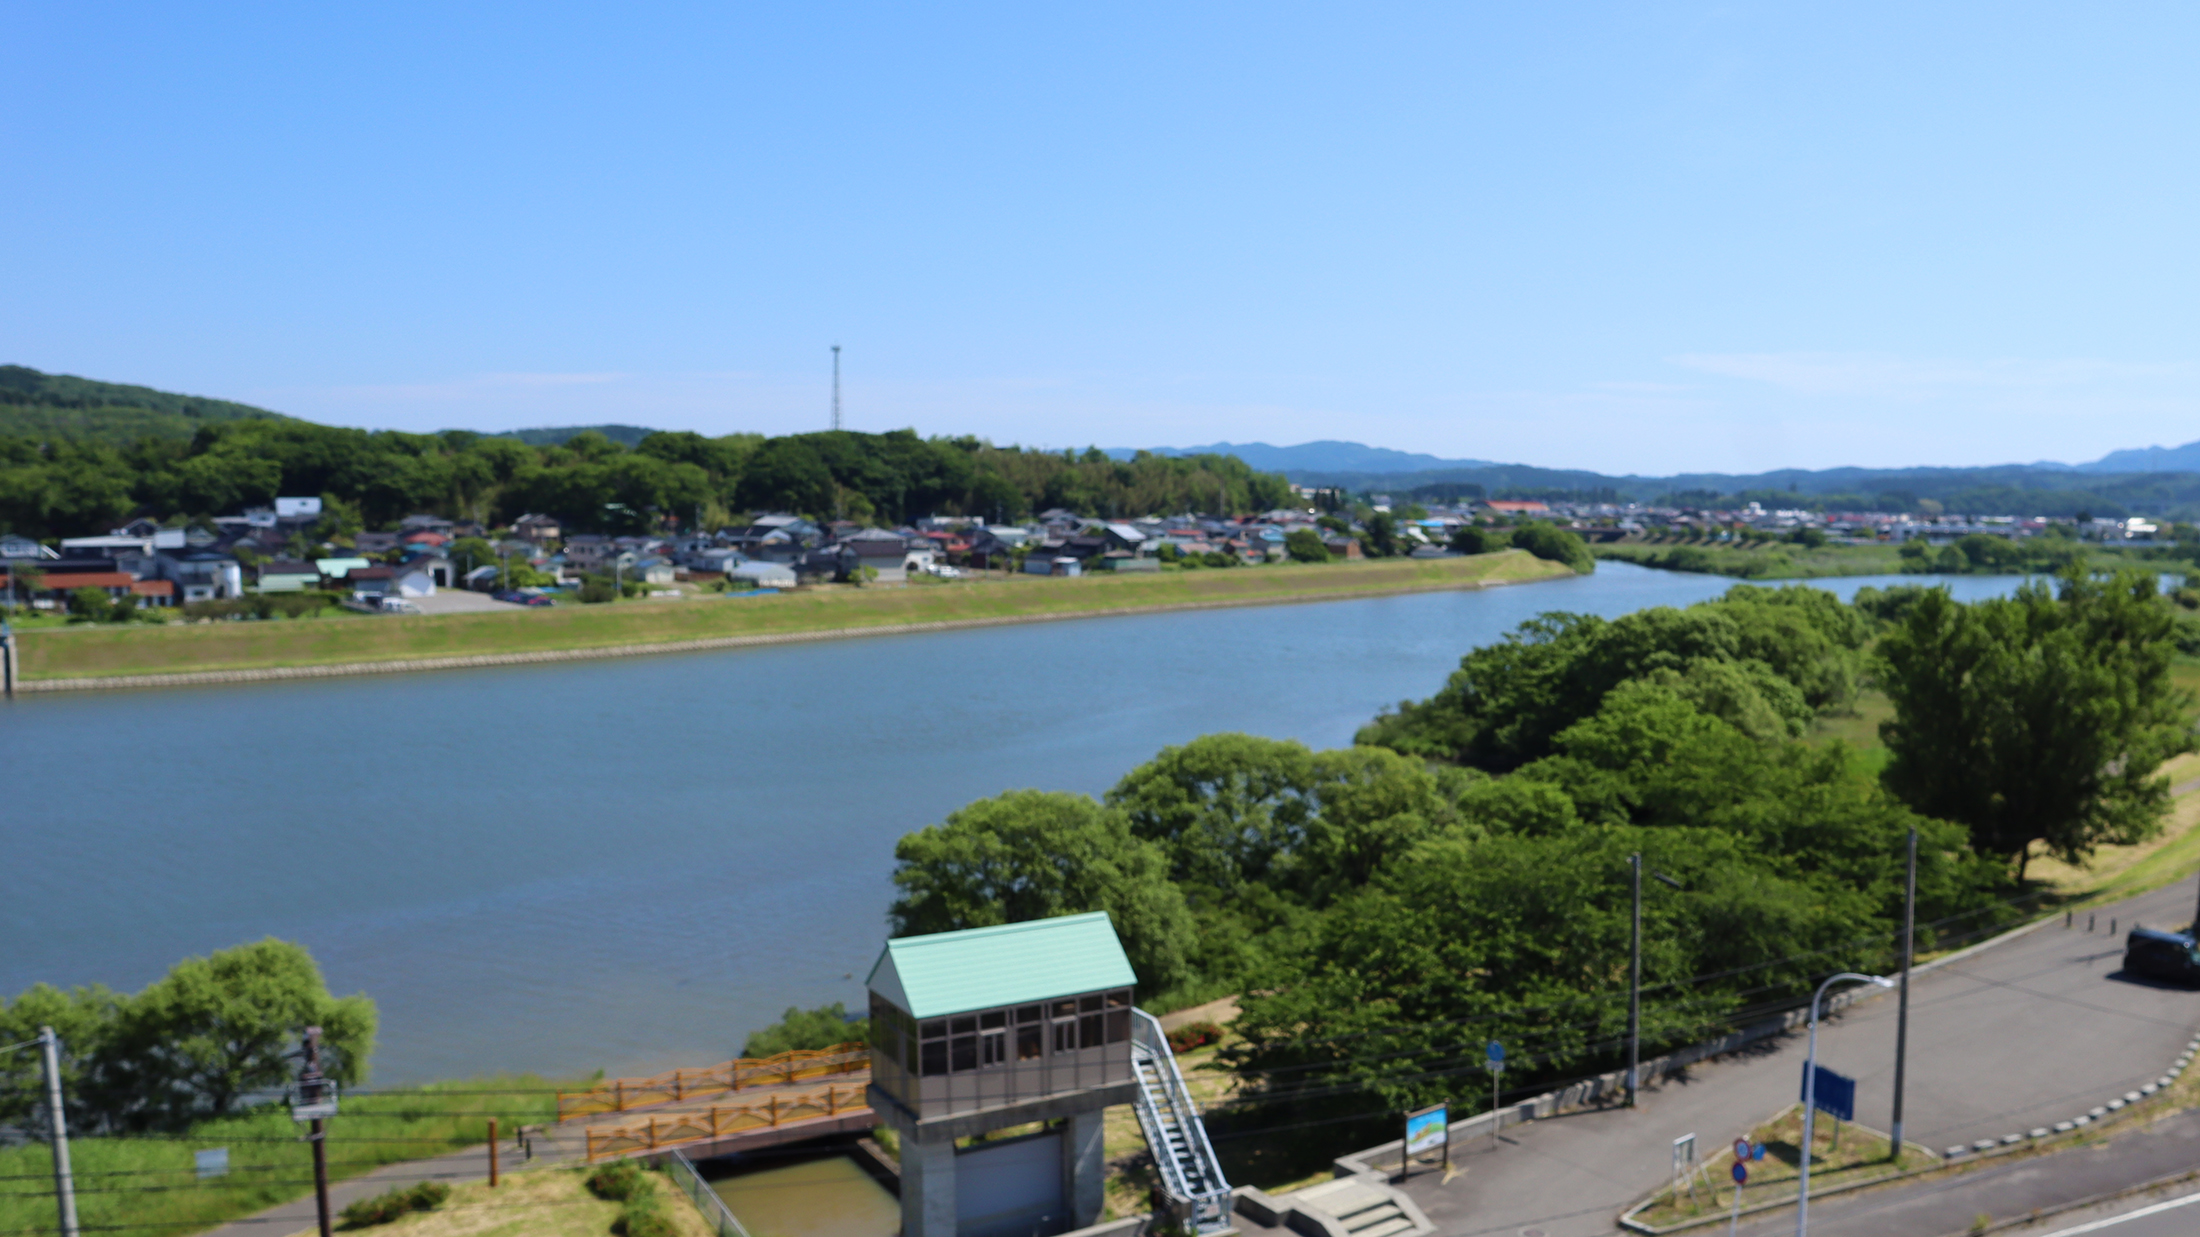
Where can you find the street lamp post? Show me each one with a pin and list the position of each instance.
(1810, 1092)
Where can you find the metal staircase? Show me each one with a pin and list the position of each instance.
(1190, 1173)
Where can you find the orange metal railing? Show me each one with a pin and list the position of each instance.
(620, 1094)
(695, 1125)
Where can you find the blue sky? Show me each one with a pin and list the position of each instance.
(1632, 237)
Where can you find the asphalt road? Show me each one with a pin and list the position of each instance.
(2033, 1031)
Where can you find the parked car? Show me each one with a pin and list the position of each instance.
(943, 571)
(520, 597)
(2162, 955)
(397, 605)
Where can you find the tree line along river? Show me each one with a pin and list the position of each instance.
(632, 864)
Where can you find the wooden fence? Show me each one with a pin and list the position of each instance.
(620, 1094)
(696, 1125)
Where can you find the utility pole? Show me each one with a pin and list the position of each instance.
(1902, 1016)
(1635, 980)
(312, 1088)
(836, 386)
(64, 1182)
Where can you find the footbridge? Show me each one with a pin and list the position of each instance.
(739, 1105)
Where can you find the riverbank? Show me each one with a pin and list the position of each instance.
(87, 657)
(1756, 560)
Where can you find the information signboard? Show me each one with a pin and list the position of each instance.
(1834, 1094)
(1428, 1129)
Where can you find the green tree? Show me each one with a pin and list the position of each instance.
(1305, 546)
(213, 1029)
(83, 1019)
(1030, 854)
(1381, 538)
(826, 1026)
(1808, 536)
(1549, 541)
(2040, 718)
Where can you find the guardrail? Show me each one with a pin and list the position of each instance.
(714, 1209)
(621, 1094)
(719, 1120)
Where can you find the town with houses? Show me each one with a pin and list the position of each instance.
(156, 565)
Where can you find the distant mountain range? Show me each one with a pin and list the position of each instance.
(1330, 456)
(2154, 480)
(551, 436)
(1326, 456)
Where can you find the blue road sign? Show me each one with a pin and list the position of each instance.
(1757, 1152)
(1835, 1094)
(1496, 1053)
(1741, 1173)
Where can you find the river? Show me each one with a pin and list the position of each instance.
(631, 864)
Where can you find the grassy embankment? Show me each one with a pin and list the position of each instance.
(90, 651)
(148, 1187)
(1754, 560)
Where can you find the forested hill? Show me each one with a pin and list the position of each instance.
(54, 488)
(62, 407)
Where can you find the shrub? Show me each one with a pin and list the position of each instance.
(1194, 1035)
(618, 1182)
(644, 1217)
(383, 1208)
(1473, 539)
(90, 605)
(598, 589)
(1305, 546)
(823, 1027)
(1548, 541)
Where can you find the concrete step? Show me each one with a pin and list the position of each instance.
(1392, 1222)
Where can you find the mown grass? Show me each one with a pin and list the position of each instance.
(544, 1203)
(91, 651)
(147, 1186)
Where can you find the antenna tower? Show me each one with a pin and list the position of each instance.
(836, 386)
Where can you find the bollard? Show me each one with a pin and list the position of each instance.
(492, 1153)
(2112, 927)
(2067, 917)
(2089, 921)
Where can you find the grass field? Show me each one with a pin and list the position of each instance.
(102, 650)
(148, 1187)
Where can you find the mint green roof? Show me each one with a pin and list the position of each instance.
(1013, 964)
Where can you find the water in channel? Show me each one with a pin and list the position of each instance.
(631, 864)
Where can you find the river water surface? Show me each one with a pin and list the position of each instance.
(631, 864)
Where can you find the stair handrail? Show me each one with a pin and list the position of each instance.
(1148, 1030)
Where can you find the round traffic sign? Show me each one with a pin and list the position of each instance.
(1495, 1051)
(1741, 1173)
(1741, 1149)
(1757, 1152)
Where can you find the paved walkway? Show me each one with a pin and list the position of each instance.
(301, 1216)
(2031, 1032)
